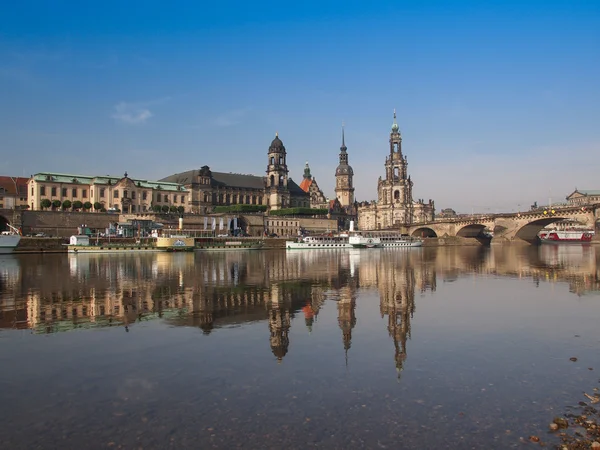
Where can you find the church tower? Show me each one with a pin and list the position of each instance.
(278, 195)
(344, 190)
(396, 189)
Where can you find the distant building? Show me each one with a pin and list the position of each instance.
(275, 190)
(124, 194)
(447, 213)
(395, 205)
(13, 192)
(583, 197)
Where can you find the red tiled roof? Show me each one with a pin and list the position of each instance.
(305, 184)
(8, 184)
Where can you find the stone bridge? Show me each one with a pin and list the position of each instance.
(523, 226)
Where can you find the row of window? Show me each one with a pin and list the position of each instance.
(232, 199)
(64, 192)
(282, 223)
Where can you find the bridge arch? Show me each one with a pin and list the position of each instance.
(530, 230)
(471, 230)
(424, 232)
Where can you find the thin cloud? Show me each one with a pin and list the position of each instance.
(135, 113)
(230, 118)
(131, 113)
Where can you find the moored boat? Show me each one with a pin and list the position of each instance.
(319, 242)
(9, 239)
(383, 240)
(224, 244)
(566, 236)
(80, 243)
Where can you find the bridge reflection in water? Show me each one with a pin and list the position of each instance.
(432, 347)
(52, 293)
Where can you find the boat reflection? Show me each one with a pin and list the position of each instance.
(211, 291)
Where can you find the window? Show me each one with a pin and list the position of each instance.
(53, 192)
(64, 192)
(32, 191)
(144, 195)
(183, 199)
(125, 194)
(166, 198)
(133, 195)
(174, 199)
(158, 197)
(116, 193)
(74, 192)
(84, 193)
(102, 193)
(43, 190)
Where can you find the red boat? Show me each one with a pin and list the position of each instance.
(567, 236)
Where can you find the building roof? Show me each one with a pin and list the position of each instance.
(583, 192)
(295, 189)
(13, 185)
(305, 185)
(104, 180)
(218, 179)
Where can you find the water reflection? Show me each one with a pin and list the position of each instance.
(480, 338)
(49, 293)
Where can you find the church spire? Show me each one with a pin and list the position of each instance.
(307, 175)
(343, 147)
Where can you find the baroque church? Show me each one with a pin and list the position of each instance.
(276, 190)
(395, 205)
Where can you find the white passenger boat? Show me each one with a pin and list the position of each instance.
(376, 240)
(9, 239)
(316, 242)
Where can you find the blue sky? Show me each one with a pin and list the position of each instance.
(497, 101)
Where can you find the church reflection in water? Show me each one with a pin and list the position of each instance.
(52, 293)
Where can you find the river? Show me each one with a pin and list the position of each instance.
(449, 347)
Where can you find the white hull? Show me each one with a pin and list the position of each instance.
(8, 242)
(402, 244)
(292, 245)
(95, 249)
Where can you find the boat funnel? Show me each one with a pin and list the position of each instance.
(181, 223)
(352, 225)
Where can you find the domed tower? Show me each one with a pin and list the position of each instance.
(277, 191)
(344, 190)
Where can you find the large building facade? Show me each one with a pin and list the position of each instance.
(124, 194)
(395, 205)
(275, 190)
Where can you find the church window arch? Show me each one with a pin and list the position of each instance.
(272, 180)
(272, 160)
(396, 195)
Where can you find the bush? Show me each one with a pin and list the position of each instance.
(299, 212)
(165, 208)
(156, 208)
(98, 206)
(45, 203)
(77, 204)
(56, 204)
(87, 206)
(180, 209)
(66, 204)
(240, 208)
(173, 209)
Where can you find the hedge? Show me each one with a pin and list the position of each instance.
(240, 208)
(299, 212)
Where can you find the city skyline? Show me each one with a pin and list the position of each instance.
(496, 104)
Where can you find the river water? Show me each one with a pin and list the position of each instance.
(444, 347)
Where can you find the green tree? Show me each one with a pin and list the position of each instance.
(46, 203)
(165, 208)
(173, 209)
(77, 204)
(156, 208)
(98, 206)
(66, 204)
(180, 209)
(56, 204)
(87, 206)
